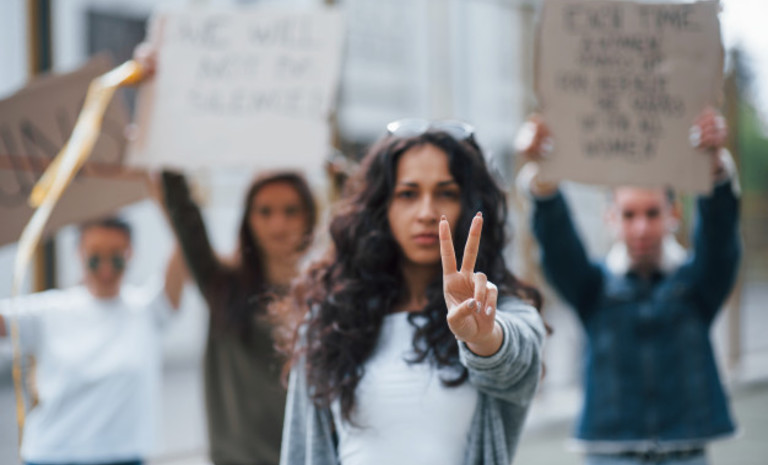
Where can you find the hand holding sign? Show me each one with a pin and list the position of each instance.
(710, 133)
(615, 85)
(470, 298)
(145, 55)
(534, 143)
(233, 87)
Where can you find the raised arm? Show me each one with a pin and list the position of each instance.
(716, 242)
(183, 214)
(176, 275)
(563, 256)
(187, 223)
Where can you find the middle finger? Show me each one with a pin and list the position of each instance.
(473, 245)
(481, 290)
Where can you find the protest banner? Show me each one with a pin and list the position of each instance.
(35, 122)
(621, 83)
(247, 87)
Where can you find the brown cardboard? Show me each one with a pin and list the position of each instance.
(35, 122)
(620, 84)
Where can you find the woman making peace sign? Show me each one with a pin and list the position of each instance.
(398, 361)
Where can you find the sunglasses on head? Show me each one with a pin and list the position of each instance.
(412, 127)
(117, 262)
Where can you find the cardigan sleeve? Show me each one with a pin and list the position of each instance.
(307, 429)
(512, 373)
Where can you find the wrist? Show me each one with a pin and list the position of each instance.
(541, 188)
(489, 344)
(529, 182)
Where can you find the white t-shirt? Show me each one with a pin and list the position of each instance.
(98, 372)
(403, 413)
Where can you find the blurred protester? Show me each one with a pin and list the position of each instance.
(652, 393)
(98, 352)
(245, 401)
(398, 362)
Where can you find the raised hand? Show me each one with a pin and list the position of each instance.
(533, 140)
(534, 143)
(709, 133)
(470, 298)
(146, 55)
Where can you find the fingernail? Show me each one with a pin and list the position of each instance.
(525, 136)
(488, 310)
(479, 214)
(547, 146)
(443, 218)
(694, 136)
(720, 122)
(472, 304)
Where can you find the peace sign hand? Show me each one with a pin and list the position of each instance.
(469, 296)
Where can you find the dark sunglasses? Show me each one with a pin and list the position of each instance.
(117, 262)
(412, 127)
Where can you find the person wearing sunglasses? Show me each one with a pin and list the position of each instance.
(652, 392)
(98, 355)
(405, 352)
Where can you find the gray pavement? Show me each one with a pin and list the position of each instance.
(547, 443)
(544, 439)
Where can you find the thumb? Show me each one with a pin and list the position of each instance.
(460, 312)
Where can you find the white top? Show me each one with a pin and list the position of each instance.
(98, 372)
(403, 413)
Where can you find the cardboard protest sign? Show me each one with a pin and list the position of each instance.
(620, 84)
(35, 123)
(242, 87)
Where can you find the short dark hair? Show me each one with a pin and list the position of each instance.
(669, 194)
(111, 222)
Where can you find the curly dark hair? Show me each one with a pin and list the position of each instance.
(359, 282)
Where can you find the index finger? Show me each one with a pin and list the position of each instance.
(447, 254)
(473, 245)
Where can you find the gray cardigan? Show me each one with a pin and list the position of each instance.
(506, 382)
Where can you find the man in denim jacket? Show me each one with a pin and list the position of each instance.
(652, 393)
